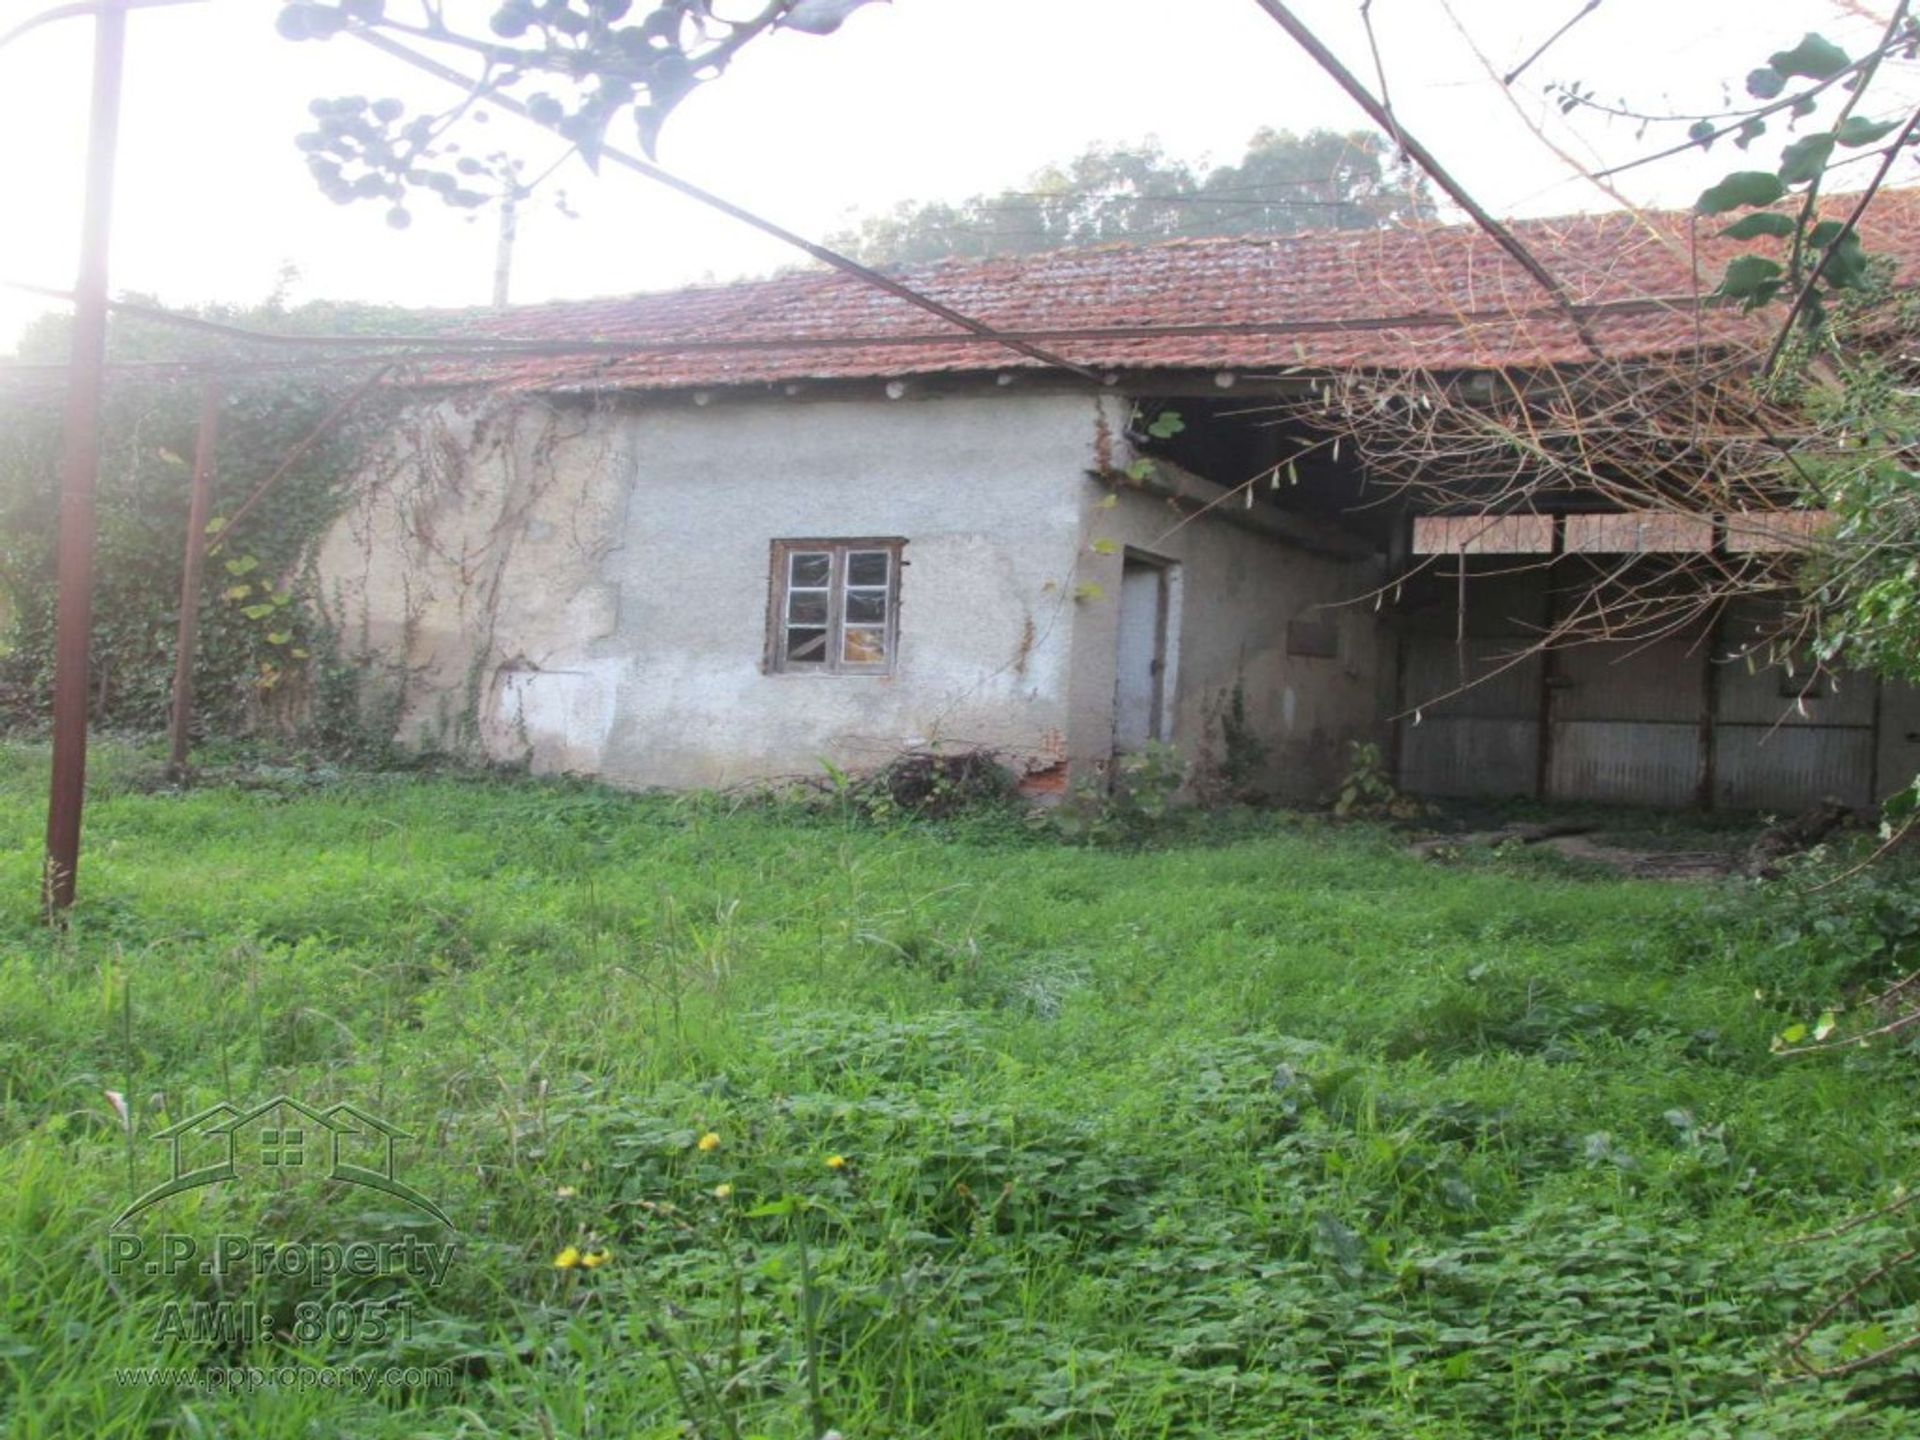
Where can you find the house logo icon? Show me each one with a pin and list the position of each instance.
(224, 1142)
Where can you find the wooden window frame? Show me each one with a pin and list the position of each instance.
(779, 587)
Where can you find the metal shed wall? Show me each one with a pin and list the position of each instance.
(1646, 722)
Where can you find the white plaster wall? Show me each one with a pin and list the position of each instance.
(468, 574)
(986, 492)
(1239, 590)
(588, 590)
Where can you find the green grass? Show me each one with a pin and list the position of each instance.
(1269, 1132)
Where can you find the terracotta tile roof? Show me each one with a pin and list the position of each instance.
(1438, 296)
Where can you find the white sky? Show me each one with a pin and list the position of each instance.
(914, 99)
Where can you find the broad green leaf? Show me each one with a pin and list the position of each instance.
(257, 612)
(1864, 1341)
(1805, 159)
(1761, 222)
(1739, 190)
(1793, 1034)
(1765, 83)
(1856, 130)
(243, 565)
(1815, 57)
(1753, 279)
(1106, 547)
(1846, 264)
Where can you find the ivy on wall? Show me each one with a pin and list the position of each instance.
(264, 657)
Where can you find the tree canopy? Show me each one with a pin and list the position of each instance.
(575, 66)
(1285, 183)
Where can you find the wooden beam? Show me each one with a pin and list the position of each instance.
(1167, 481)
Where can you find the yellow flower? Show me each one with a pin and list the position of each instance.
(723, 1191)
(566, 1192)
(594, 1259)
(710, 1141)
(836, 1162)
(566, 1259)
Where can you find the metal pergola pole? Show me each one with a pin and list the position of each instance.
(79, 469)
(198, 508)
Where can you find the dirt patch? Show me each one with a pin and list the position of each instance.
(1751, 853)
(1576, 843)
(1648, 864)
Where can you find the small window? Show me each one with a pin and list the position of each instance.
(834, 607)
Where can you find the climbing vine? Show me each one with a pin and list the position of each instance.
(263, 646)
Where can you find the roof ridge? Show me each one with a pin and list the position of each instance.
(1671, 219)
(1182, 303)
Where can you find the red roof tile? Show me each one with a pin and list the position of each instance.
(1435, 296)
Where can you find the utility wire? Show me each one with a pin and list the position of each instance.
(1425, 158)
(673, 182)
(448, 349)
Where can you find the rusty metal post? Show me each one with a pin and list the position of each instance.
(197, 510)
(79, 469)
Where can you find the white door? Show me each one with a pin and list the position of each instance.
(1139, 707)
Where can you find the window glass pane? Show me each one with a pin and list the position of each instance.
(867, 567)
(811, 568)
(806, 646)
(807, 607)
(864, 647)
(866, 605)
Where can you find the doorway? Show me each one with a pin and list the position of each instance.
(1143, 677)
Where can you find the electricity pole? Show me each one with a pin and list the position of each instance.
(503, 251)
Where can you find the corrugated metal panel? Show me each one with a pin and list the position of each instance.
(1468, 755)
(1661, 681)
(1760, 767)
(1505, 688)
(1899, 750)
(1749, 530)
(1626, 718)
(1638, 531)
(1625, 762)
(1770, 696)
(1482, 534)
(1497, 605)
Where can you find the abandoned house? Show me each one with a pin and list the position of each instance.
(735, 532)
